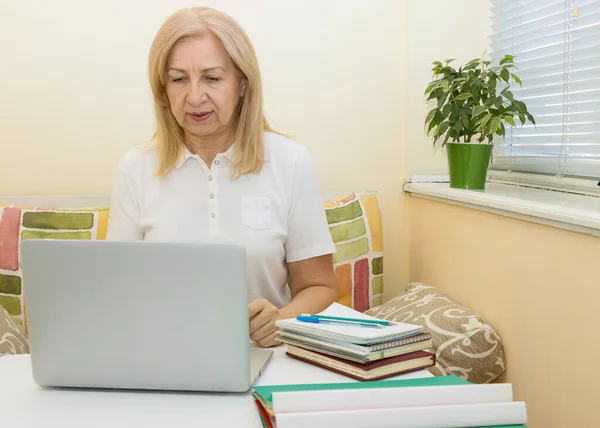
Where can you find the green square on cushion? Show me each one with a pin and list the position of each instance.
(356, 229)
(20, 223)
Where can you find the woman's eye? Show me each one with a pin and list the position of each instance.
(213, 79)
(178, 79)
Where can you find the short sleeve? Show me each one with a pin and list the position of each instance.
(308, 232)
(124, 217)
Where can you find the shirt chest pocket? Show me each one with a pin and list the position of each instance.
(256, 212)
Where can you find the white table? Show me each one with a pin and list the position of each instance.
(26, 405)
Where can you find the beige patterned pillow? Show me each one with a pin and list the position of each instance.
(465, 345)
(12, 340)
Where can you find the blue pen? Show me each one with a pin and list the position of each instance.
(315, 320)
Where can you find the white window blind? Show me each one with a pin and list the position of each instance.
(556, 45)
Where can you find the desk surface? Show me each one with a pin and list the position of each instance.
(25, 405)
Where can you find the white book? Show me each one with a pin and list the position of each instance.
(383, 398)
(454, 416)
(358, 335)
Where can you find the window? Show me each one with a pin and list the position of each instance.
(556, 45)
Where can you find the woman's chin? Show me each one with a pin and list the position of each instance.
(201, 131)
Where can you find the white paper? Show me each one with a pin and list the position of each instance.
(459, 416)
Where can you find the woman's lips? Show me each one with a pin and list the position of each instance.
(202, 116)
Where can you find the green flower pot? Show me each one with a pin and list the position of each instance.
(468, 164)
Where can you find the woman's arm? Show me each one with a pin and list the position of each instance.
(309, 250)
(313, 286)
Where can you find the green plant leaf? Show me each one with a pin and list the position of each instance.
(430, 115)
(443, 128)
(465, 121)
(463, 96)
(510, 120)
(498, 102)
(530, 117)
(495, 125)
(522, 118)
(501, 130)
(429, 89)
(505, 74)
(458, 125)
(517, 79)
(442, 99)
(507, 58)
(432, 125)
(446, 110)
(445, 84)
(478, 110)
(446, 139)
(485, 120)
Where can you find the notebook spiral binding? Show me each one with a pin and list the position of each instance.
(400, 342)
(394, 337)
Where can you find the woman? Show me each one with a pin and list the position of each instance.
(216, 171)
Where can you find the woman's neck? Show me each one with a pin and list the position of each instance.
(208, 147)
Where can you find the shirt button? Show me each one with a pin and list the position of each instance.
(217, 162)
(212, 215)
(211, 196)
(210, 178)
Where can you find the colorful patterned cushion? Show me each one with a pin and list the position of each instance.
(18, 224)
(12, 339)
(354, 220)
(356, 228)
(466, 346)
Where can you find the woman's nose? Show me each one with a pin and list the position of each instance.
(196, 94)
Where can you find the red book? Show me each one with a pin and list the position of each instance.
(375, 370)
(264, 416)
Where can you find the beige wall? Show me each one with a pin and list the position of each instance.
(537, 285)
(437, 29)
(75, 94)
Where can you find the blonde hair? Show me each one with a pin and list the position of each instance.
(248, 144)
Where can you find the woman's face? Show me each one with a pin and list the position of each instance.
(203, 85)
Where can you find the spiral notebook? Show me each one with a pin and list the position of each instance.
(346, 334)
(358, 353)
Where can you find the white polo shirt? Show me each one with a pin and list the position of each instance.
(278, 214)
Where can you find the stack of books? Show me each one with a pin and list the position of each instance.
(434, 402)
(356, 345)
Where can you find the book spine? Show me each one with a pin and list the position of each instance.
(459, 416)
(381, 398)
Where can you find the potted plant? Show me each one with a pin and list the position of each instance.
(473, 104)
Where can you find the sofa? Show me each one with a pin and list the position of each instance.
(464, 343)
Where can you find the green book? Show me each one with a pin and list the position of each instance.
(265, 393)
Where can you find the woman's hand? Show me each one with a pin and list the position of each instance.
(262, 316)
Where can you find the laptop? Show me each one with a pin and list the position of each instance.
(139, 315)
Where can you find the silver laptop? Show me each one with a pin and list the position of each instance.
(139, 315)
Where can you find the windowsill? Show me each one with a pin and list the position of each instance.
(579, 213)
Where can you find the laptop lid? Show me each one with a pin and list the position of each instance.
(141, 315)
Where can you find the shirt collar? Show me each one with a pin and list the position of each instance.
(186, 154)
